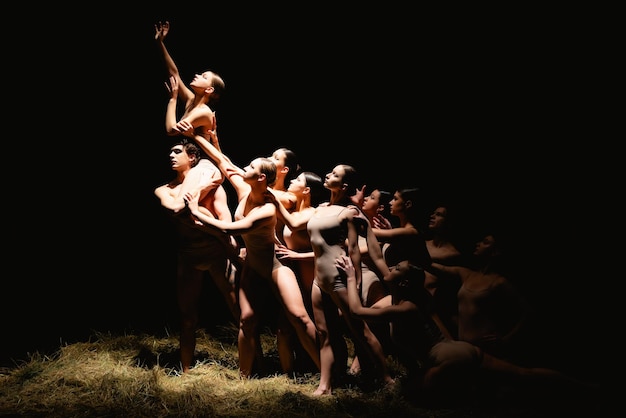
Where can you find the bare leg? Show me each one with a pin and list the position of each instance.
(226, 284)
(189, 286)
(532, 375)
(355, 367)
(284, 343)
(327, 357)
(248, 341)
(290, 294)
(365, 338)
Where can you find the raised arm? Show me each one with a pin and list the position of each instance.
(212, 148)
(161, 31)
(197, 120)
(170, 111)
(220, 205)
(292, 221)
(439, 269)
(386, 235)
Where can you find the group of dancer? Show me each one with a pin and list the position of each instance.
(338, 263)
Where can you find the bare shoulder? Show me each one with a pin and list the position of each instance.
(201, 117)
(288, 199)
(354, 211)
(443, 252)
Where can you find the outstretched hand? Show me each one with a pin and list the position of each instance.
(380, 222)
(359, 196)
(161, 30)
(172, 87)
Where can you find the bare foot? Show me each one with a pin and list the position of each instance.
(322, 392)
(355, 367)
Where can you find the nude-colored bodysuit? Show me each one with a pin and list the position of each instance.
(328, 231)
(259, 243)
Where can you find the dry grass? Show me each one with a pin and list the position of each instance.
(138, 376)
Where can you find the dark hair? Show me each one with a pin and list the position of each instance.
(291, 162)
(449, 226)
(316, 184)
(499, 259)
(412, 284)
(385, 198)
(414, 195)
(351, 178)
(218, 88)
(192, 150)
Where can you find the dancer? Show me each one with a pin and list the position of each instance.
(255, 221)
(334, 228)
(198, 253)
(297, 253)
(205, 89)
(439, 366)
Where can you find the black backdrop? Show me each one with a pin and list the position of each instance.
(480, 115)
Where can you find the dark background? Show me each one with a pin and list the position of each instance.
(488, 113)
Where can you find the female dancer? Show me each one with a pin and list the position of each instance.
(255, 222)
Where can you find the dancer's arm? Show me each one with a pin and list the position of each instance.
(200, 117)
(382, 314)
(293, 222)
(161, 31)
(248, 223)
(353, 242)
(211, 146)
(376, 253)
